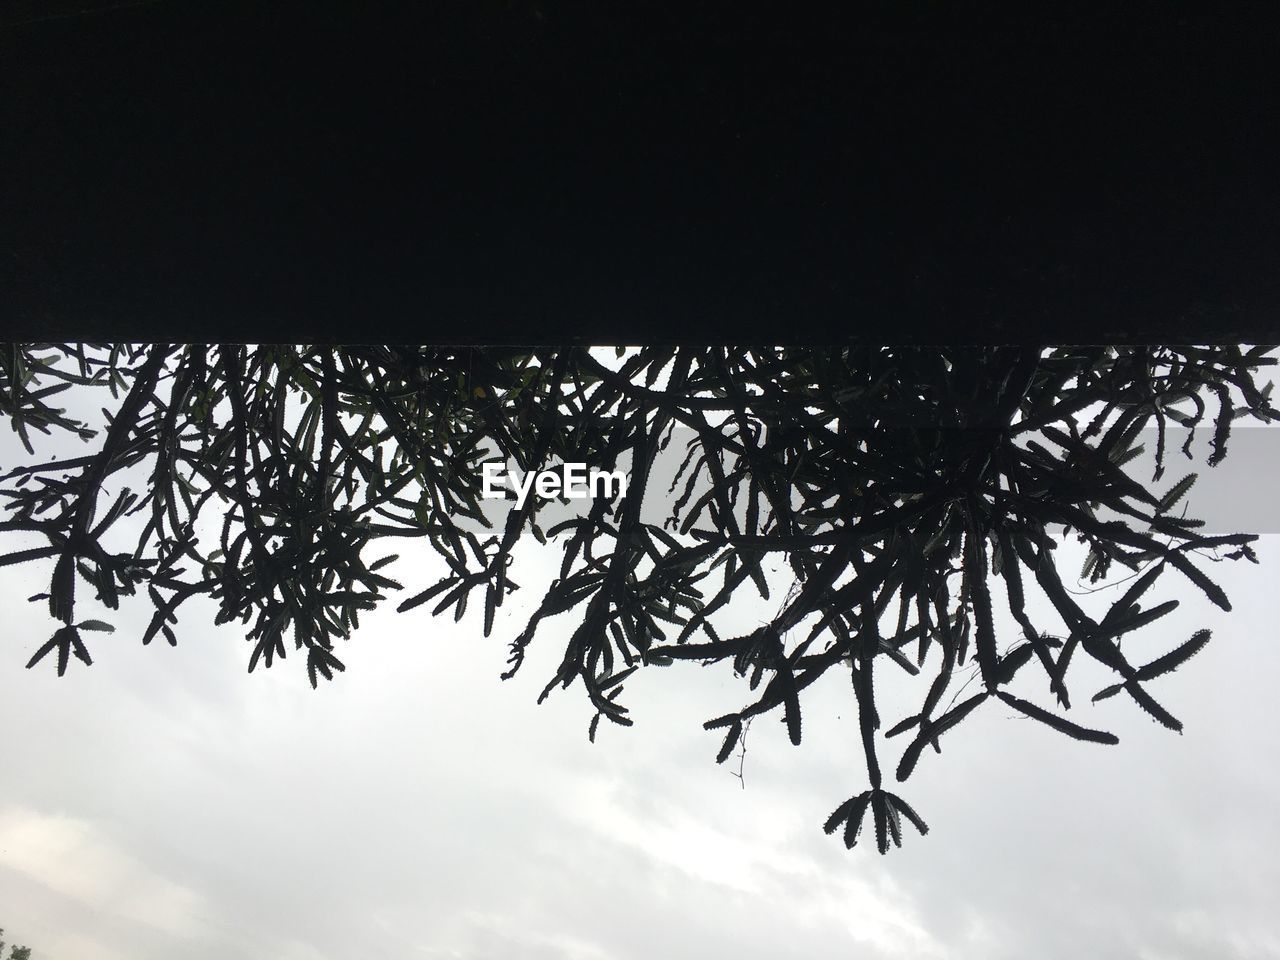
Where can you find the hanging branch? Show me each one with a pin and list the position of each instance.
(898, 483)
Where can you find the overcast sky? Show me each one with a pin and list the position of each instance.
(163, 804)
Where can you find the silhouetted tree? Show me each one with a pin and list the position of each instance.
(912, 492)
(15, 952)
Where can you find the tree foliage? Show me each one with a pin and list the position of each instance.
(914, 493)
(15, 952)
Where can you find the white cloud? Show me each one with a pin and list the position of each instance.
(73, 857)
